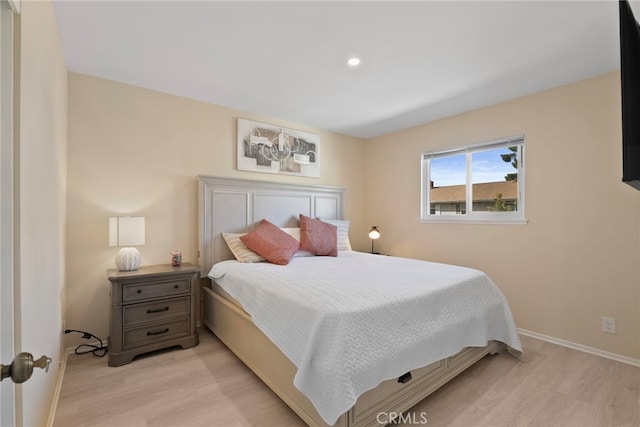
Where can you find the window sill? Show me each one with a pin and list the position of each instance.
(450, 219)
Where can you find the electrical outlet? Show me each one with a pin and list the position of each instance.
(609, 325)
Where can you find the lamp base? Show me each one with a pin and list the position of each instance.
(128, 259)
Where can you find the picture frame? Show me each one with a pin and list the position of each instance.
(277, 150)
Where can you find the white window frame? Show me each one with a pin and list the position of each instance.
(517, 217)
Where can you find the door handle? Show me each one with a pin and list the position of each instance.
(21, 368)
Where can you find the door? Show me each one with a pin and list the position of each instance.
(7, 249)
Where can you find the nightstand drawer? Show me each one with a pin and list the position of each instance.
(157, 310)
(155, 333)
(145, 290)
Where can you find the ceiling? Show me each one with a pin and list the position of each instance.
(421, 60)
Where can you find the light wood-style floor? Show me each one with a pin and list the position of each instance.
(208, 386)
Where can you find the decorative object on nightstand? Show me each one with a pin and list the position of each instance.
(127, 231)
(176, 258)
(374, 233)
(151, 309)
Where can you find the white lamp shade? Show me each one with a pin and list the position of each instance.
(126, 231)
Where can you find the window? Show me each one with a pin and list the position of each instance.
(478, 183)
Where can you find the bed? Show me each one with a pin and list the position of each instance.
(379, 371)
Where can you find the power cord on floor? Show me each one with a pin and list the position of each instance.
(99, 351)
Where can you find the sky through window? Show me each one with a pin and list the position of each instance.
(487, 166)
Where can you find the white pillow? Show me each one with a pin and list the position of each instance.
(343, 233)
(295, 233)
(292, 231)
(239, 249)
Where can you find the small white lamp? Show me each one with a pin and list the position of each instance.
(374, 233)
(127, 231)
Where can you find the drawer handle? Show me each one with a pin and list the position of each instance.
(176, 286)
(159, 310)
(164, 331)
(139, 291)
(403, 379)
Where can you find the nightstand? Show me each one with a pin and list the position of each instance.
(152, 308)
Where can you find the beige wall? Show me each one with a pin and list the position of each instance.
(42, 204)
(577, 258)
(136, 151)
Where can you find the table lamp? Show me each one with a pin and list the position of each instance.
(374, 233)
(127, 231)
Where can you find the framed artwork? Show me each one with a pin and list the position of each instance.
(274, 149)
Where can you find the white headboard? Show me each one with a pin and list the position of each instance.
(235, 205)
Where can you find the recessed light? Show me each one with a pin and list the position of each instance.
(354, 61)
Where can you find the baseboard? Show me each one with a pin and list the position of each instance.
(580, 347)
(56, 393)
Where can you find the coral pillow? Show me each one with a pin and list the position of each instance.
(271, 242)
(318, 237)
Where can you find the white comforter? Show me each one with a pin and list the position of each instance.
(353, 321)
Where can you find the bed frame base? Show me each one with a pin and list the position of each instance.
(234, 327)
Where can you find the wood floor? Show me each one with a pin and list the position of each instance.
(208, 386)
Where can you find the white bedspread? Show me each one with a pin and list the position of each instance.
(350, 322)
